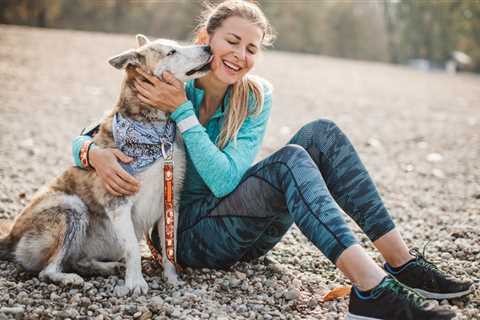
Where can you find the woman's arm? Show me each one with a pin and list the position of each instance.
(105, 162)
(77, 144)
(222, 170)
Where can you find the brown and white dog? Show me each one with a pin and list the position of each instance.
(73, 224)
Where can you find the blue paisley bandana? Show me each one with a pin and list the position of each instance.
(143, 141)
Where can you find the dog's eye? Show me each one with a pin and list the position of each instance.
(173, 51)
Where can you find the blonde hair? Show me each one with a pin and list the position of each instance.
(211, 19)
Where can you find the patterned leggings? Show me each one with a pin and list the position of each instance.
(306, 182)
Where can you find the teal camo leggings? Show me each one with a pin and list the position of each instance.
(306, 182)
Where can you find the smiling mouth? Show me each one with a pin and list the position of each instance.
(203, 67)
(231, 66)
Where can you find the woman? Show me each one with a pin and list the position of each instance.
(232, 211)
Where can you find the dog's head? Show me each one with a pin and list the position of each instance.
(184, 62)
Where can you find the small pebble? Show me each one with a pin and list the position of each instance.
(292, 294)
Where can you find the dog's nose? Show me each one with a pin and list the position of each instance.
(207, 49)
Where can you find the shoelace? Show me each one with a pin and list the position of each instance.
(430, 266)
(421, 259)
(401, 290)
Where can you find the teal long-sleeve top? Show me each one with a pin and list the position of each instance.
(208, 168)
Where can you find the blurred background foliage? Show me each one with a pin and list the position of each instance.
(395, 31)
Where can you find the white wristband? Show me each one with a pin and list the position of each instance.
(187, 123)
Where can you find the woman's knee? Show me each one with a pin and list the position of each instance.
(317, 131)
(320, 127)
(323, 123)
(274, 167)
(292, 152)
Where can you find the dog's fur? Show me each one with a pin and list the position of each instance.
(74, 225)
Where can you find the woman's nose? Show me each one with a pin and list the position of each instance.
(240, 53)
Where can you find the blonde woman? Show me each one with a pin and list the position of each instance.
(232, 211)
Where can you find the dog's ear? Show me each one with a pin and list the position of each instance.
(122, 60)
(142, 40)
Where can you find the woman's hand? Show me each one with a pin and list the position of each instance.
(115, 179)
(164, 95)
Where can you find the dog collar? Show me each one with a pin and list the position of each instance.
(145, 142)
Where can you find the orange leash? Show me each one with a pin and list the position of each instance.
(169, 217)
(168, 210)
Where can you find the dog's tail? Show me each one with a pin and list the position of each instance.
(6, 243)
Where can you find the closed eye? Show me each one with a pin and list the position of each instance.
(249, 50)
(171, 52)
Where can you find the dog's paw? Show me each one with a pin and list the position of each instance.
(139, 287)
(121, 291)
(72, 279)
(170, 275)
(173, 280)
(132, 287)
(63, 279)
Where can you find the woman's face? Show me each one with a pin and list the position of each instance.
(235, 46)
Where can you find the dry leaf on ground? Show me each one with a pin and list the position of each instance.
(336, 293)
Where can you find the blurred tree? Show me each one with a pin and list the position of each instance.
(389, 11)
(381, 30)
(434, 29)
(425, 29)
(356, 31)
(467, 28)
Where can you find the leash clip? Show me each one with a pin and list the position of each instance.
(168, 157)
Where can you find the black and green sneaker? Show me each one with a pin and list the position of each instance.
(394, 301)
(423, 276)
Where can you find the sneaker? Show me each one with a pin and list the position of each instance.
(394, 301)
(423, 276)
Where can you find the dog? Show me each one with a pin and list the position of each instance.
(74, 224)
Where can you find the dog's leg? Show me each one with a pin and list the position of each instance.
(62, 237)
(125, 231)
(169, 271)
(96, 267)
(53, 272)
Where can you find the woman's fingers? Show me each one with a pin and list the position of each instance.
(121, 156)
(154, 86)
(146, 100)
(111, 190)
(128, 178)
(170, 79)
(164, 95)
(118, 178)
(115, 179)
(144, 84)
(144, 88)
(119, 185)
(143, 73)
(147, 76)
(121, 177)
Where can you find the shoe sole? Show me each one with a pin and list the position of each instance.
(355, 317)
(441, 296)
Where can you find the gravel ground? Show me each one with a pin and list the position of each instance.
(418, 134)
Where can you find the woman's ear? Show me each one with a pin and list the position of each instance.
(202, 37)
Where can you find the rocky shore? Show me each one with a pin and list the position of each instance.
(418, 134)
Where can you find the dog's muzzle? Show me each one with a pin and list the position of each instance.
(203, 67)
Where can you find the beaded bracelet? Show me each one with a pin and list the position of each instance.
(84, 154)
